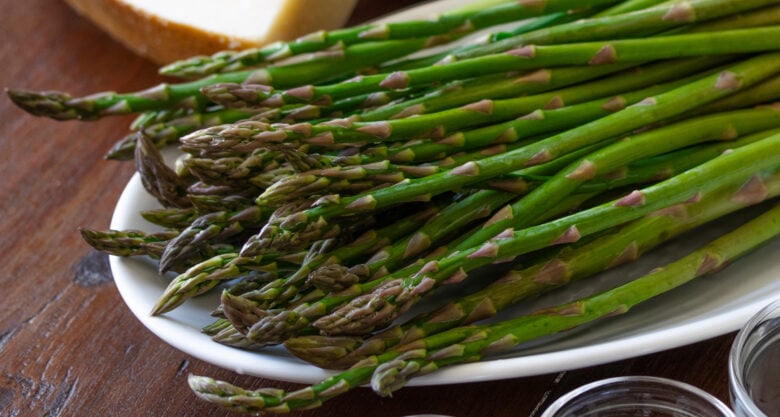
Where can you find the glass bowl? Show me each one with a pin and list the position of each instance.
(754, 365)
(643, 396)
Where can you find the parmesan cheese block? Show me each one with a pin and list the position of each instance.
(167, 30)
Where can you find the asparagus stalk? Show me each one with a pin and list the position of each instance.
(641, 22)
(452, 94)
(454, 217)
(652, 109)
(722, 126)
(236, 169)
(531, 57)
(524, 27)
(766, 16)
(387, 301)
(374, 304)
(171, 218)
(216, 226)
(128, 242)
(157, 178)
(454, 23)
(61, 106)
(760, 17)
(443, 123)
(501, 337)
(540, 119)
(451, 218)
(625, 244)
(169, 130)
(628, 6)
(218, 268)
(206, 275)
(388, 371)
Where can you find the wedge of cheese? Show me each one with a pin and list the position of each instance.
(167, 30)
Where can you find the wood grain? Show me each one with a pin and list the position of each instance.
(69, 346)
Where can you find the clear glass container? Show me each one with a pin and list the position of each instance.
(638, 396)
(754, 365)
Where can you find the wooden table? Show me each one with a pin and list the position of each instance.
(68, 344)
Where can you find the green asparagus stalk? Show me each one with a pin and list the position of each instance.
(766, 16)
(157, 178)
(169, 130)
(206, 275)
(218, 268)
(569, 264)
(61, 106)
(231, 169)
(547, 118)
(721, 126)
(451, 218)
(387, 301)
(524, 27)
(128, 242)
(388, 371)
(443, 123)
(652, 109)
(171, 218)
(501, 337)
(639, 23)
(628, 6)
(211, 227)
(338, 179)
(642, 22)
(454, 23)
(531, 57)
(443, 97)
(454, 217)
(373, 305)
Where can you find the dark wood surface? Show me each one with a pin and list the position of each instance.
(68, 344)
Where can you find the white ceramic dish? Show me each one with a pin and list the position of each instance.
(706, 308)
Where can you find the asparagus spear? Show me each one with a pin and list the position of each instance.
(448, 121)
(388, 371)
(386, 302)
(206, 275)
(61, 106)
(625, 244)
(210, 227)
(525, 26)
(721, 126)
(171, 218)
(540, 56)
(128, 242)
(168, 130)
(639, 23)
(374, 304)
(766, 16)
(677, 101)
(628, 6)
(157, 178)
(457, 22)
(452, 94)
(452, 218)
(485, 340)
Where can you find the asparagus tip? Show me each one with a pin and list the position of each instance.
(51, 104)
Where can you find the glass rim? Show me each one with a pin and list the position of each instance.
(565, 399)
(736, 377)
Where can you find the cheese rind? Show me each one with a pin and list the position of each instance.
(168, 30)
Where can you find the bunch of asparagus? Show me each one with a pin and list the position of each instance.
(330, 184)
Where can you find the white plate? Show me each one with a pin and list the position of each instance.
(705, 308)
